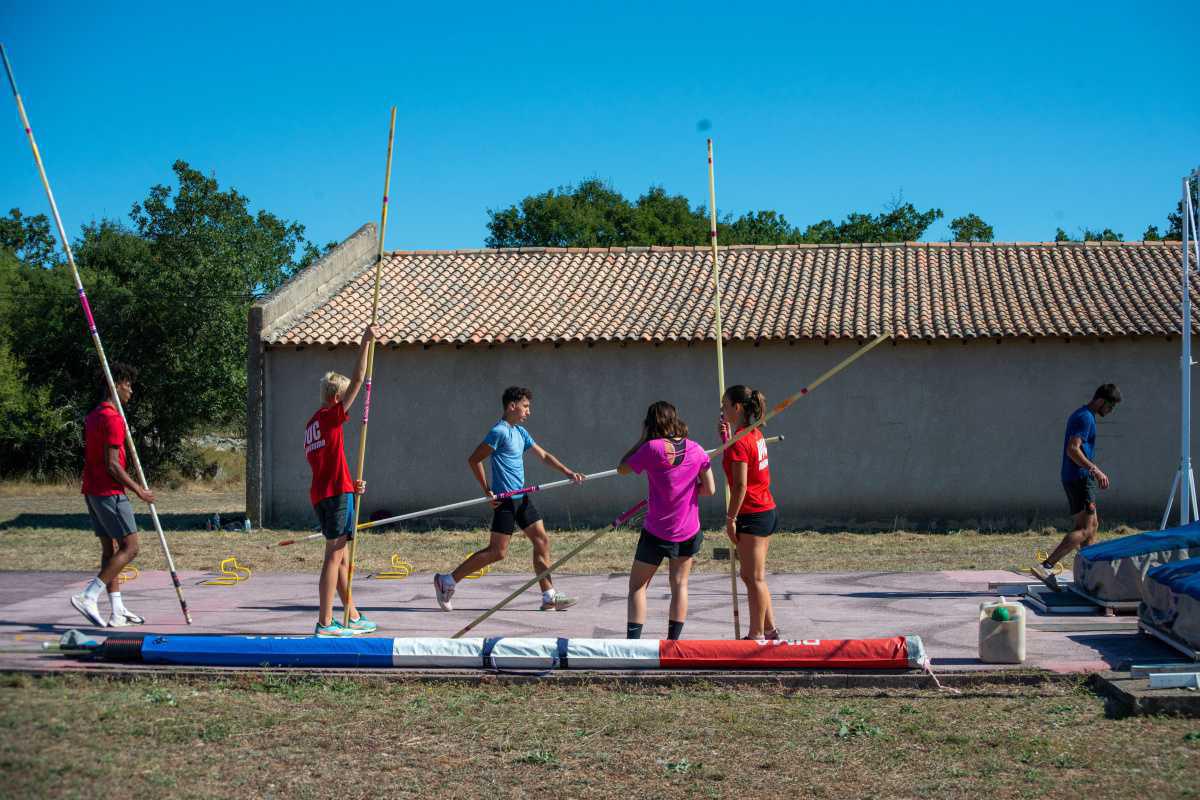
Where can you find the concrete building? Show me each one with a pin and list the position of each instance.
(957, 422)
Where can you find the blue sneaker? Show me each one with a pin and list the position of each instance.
(334, 630)
(362, 625)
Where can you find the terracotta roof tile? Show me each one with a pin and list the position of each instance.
(661, 294)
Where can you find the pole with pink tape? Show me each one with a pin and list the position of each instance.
(95, 334)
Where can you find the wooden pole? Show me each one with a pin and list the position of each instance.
(95, 334)
(362, 440)
(716, 262)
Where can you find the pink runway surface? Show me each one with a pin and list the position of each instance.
(940, 607)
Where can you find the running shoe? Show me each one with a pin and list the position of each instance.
(334, 630)
(362, 625)
(124, 619)
(560, 603)
(443, 590)
(773, 635)
(1045, 576)
(87, 606)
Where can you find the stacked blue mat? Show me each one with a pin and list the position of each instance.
(1114, 570)
(1171, 600)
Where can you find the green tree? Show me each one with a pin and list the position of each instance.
(170, 294)
(29, 238)
(593, 214)
(1089, 235)
(970, 228)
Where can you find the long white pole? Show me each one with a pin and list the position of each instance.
(1186, 364)
(95, 334)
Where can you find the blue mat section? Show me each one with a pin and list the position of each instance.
(1140, 544)
(1181, 577)
(272, 651)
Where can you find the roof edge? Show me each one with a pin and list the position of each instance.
(319, 281)
(687, 248)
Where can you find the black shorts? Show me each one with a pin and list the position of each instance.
(337, 516)
(513, 513)
(1081, 494)
(758, 523)
(652, 550)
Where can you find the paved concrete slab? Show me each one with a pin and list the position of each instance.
(940, 607)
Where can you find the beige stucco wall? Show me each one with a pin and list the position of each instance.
(914, 434)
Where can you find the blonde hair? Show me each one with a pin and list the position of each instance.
(333, 384)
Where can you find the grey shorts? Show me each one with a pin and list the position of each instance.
(112, 515)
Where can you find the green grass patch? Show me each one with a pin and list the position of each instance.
(279, 736)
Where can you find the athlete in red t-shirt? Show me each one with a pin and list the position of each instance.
(332, 492)
(751, 518)
(105, 482)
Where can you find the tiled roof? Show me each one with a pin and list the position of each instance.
(660, 294)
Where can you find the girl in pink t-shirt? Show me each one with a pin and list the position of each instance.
(678, 473)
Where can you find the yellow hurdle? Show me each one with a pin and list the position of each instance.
(231, 574)
(400, 570)
(478, 573)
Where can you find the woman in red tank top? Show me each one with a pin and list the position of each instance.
(751, 518)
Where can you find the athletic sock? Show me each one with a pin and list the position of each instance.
(633, 630)
(118, 605)
(674, 629)
(549, 595)
(93, 589)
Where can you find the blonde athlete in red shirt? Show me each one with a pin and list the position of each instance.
(751, 518)
(333, 493)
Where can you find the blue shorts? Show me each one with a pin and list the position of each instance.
(336, 515)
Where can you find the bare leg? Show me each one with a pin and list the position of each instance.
(639, 579)
(125, 551)
(496, 550)
(1086, 525)
(343, 590)
(335, 551)
(752, 551)
(680, 568)
(541, 553)
(108, 549)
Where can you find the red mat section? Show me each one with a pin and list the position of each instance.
(891, 653)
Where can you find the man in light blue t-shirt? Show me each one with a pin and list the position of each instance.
(1081, 479)
(506, 444)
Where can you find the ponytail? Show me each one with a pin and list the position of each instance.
(752, 401)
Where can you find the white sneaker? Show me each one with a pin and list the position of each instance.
(87, 606)
(444, 591)
(124, 619)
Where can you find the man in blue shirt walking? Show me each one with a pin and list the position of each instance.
(1081, 479)
(506, 444)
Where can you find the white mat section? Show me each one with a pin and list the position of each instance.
(437, 652)
(612, 653)
(525, 653)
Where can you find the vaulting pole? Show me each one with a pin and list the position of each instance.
(91, 323)
(362, 441)
(716, 262)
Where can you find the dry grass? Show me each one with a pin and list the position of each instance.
(46, 528)
(277, 737)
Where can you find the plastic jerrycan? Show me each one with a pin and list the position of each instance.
(1001, 632)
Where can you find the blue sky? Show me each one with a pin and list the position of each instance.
(1035, 116)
